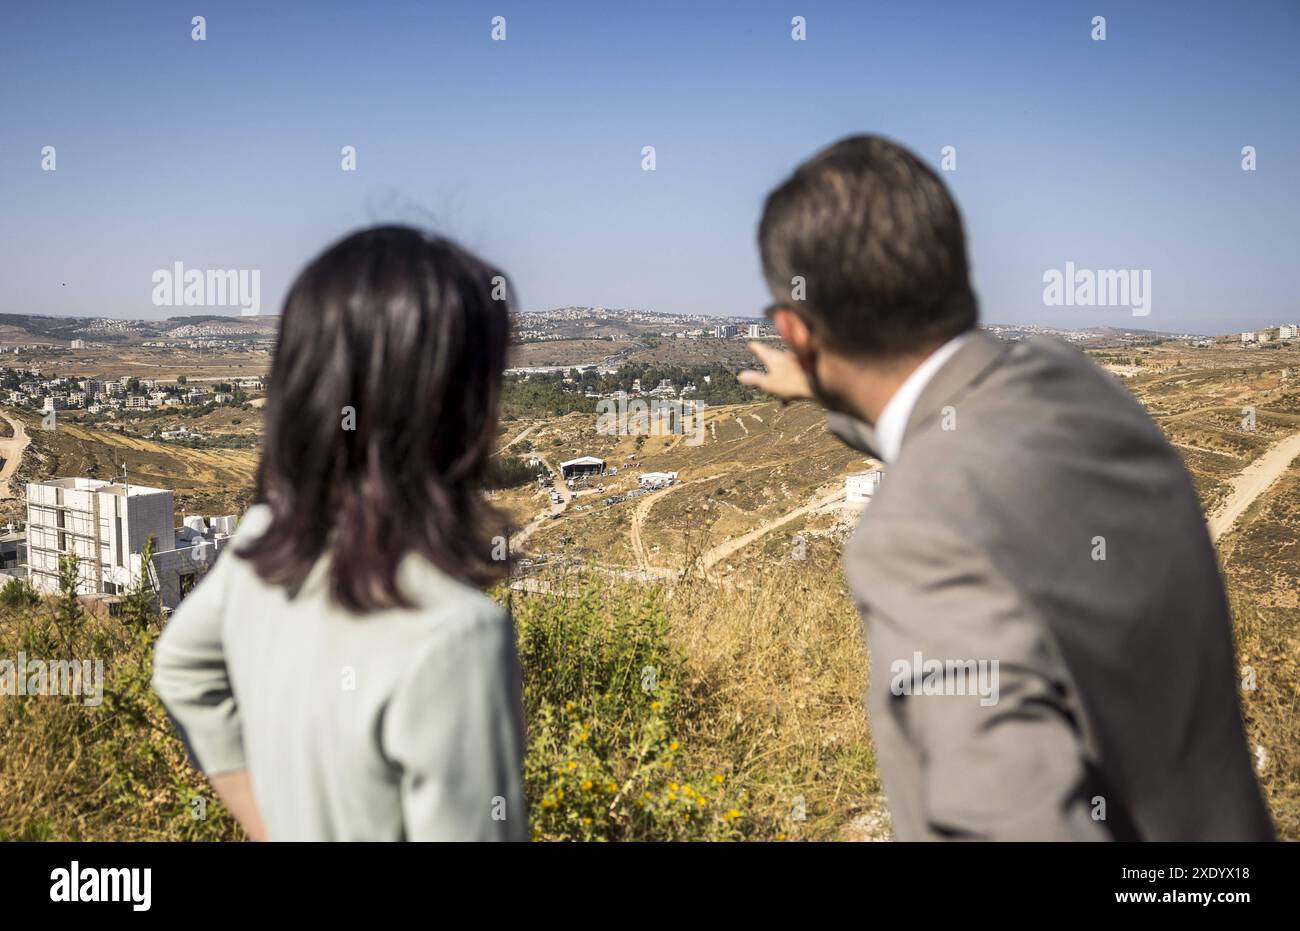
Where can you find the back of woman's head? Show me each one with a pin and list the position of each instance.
(381, 416)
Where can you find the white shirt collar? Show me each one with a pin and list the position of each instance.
(893, 419)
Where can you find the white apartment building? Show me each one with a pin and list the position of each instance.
(755, 331)
(1286, 331)
(104, 523)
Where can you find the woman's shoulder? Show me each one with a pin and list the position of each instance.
(440, 606)
(455, 631)
(450, 607)
(253, 524)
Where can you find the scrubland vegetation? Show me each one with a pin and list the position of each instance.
(700, 713)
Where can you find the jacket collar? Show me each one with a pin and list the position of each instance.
(975, 358)
(978, 354)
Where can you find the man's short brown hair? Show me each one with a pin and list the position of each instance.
(877, 241)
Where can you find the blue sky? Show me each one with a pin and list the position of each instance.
(226, 153)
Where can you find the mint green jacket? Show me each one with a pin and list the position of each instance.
(398, 725)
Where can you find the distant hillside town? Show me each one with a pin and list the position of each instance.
(26, 388)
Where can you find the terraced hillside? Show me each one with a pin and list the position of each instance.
(206, 481)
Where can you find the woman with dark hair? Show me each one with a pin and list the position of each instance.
(339, 674)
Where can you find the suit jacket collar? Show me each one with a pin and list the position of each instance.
(981, 352)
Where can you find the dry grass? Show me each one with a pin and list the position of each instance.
(112, 772)
(755, 715)
(778, 672)
(1268, 647)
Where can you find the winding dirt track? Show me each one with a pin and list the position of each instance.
(643, 510)
(1251, 482)
(720, 552)
(11, 449)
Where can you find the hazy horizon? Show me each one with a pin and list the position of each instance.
(226, 153)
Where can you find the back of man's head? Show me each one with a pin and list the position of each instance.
(877, 242)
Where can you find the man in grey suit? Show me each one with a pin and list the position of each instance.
(1052, 654)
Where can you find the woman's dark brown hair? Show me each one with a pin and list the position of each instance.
(380, 416)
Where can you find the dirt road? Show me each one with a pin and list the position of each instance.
(518, 540)
(558, 483)
(1251, 482)
(522, 435)
(11, 450)
(642, 511)
(720, 552)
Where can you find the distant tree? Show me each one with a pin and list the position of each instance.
(511, 472)
(139, 606)
(68, 615)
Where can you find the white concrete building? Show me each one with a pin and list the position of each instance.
(755, 331)
(861, 488)
(1286, 331)
(104, 523)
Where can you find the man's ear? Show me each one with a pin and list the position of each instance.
(795, 334)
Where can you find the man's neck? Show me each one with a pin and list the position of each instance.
(871, 385)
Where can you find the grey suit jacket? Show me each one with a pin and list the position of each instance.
(1039, 540)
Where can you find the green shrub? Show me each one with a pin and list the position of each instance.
(600, 694)
(16, 593)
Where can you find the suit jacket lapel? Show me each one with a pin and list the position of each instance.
(855, 433)
(977, 355)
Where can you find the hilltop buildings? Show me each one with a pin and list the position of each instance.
(1283, 334)
(26, 388)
